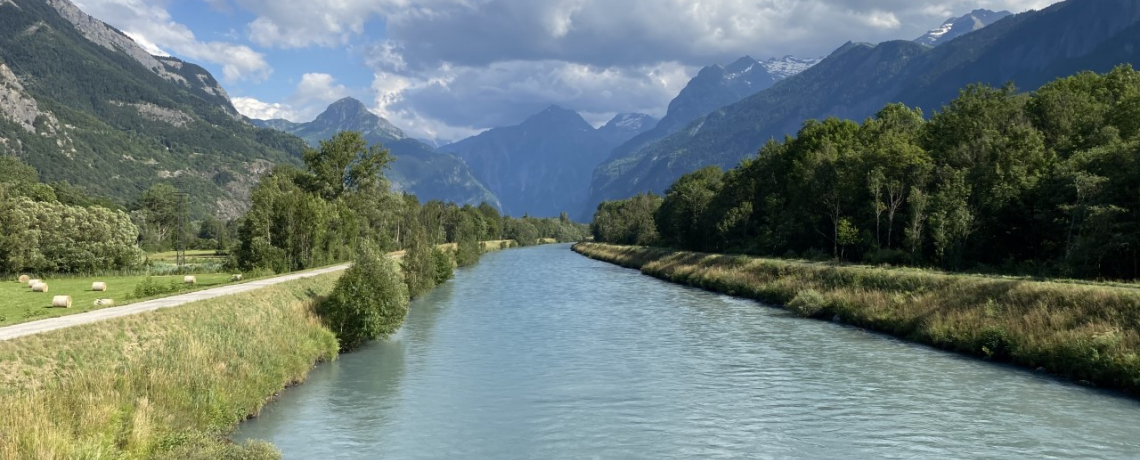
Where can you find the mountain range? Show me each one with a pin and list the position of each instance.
(714, 87)
(858, 79)
(542, 166)
(417, 168)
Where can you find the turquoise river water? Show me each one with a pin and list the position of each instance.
(543, 354)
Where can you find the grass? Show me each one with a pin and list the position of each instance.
(19, 304)
(168, 384)
(1085, 332)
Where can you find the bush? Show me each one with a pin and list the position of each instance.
(808, 303)
(369, 302)
(151, 287)
(442, 266)
(467, 253)
(892, 257)
(419, 269)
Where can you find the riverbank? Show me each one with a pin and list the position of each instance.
(1087, 333)
(167, 384)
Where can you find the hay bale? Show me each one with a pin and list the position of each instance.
(235, 278)
(40, 287)
(24, 279)
(190, 280)
(33, 282)
(104, 302)
(99, 286)
(61, 301)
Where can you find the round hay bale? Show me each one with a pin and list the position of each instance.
(24, 279)
(104, 302)
(40, 287)
(190, 280)
(33, 282)
(99, 286)
(61, 301)
(235, 278)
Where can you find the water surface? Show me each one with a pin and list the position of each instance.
(543, 354)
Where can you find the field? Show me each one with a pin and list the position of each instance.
(164, 385)
(19, 304)
(1085, 332)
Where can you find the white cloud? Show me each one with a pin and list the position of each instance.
(311, 97)
(154, 29)
(256, 109)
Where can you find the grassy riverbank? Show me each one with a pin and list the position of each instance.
(168, 384)
(1084, 332)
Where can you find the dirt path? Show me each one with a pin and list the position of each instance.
(51, 324)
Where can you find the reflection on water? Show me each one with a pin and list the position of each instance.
(541, 353)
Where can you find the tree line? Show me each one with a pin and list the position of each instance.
(299, 218)
(1044, 183)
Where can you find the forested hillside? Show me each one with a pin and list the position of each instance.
(83, 103)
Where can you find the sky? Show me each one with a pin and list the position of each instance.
(443, 70)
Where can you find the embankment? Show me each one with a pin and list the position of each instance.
(1088, 333)
(167, 384)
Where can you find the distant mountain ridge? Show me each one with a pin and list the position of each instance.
(858, 79)
(83, 103)
(959, 26)
(418, 168)
(713, 87)
(542, 166)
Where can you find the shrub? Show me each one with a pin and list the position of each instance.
(151, 287)
(369, 302)
(419, 271)
(442, 266)
(467, 252)
(808, 303)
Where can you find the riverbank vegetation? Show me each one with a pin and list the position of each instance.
(1040, 184)
(1085, 332)
(167, 385)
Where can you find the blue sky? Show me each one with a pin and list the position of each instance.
(447, 69)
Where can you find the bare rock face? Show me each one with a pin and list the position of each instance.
(150, 111)
(15, 105)
(111, 38)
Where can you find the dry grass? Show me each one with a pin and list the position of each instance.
(1081, 331)
(168, 384)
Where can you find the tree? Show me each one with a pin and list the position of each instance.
(370, 300)
(346, 163)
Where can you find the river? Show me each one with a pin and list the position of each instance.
(541, 353)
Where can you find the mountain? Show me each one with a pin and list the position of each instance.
(788, 66)
(542, 166)
(83, 103)
(625, 126)
(857, 80)
(714, 87)
(418, 168)
(957, 27)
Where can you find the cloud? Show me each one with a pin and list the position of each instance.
(154, 29)
(448, 67)
(312, 96)
(259, 110)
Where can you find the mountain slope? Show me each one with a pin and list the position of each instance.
(714, 87)
(625, 126)
(113, 120)
(418, 168)
(541, 167)
(1029, 49)
(957, 27)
